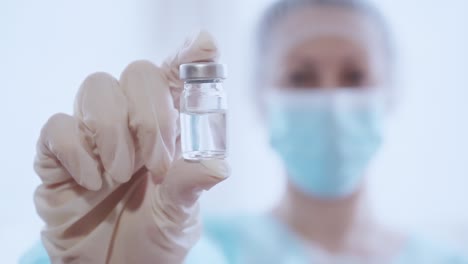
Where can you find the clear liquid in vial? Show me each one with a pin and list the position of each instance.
(203, 135)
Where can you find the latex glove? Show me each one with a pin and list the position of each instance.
(114, 189)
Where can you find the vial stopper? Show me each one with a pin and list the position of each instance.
(202, 71)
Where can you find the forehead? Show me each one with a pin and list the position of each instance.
(326, 48)
(327, 22)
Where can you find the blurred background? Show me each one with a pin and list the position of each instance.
(419, 181)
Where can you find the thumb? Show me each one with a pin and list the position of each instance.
(185, 180)
(201, 47)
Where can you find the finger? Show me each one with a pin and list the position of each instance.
(152, 116)
(102, 107)
(62, 155)
(186, 180)
(201, 47)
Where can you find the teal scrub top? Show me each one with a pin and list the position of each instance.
(261, 239)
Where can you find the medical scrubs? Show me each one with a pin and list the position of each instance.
(261, 239)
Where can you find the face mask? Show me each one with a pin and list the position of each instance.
(325, 138)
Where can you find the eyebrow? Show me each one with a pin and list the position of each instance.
(352, 61)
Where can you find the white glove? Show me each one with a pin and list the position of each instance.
(114, 189)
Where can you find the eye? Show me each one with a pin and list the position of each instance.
(353, 77)
(303, 79)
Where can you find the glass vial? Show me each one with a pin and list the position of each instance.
(203, 106)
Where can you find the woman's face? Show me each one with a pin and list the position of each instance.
(327, 47)
(325, 139)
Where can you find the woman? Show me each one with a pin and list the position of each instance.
(113, 191)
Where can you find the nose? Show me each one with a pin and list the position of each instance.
(329, 81)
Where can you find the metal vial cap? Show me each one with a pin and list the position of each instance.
(202, 71)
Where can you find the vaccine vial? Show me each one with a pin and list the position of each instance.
(203, 106)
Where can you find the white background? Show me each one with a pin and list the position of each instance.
(420, 178)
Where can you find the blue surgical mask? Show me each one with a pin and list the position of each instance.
(325, 138)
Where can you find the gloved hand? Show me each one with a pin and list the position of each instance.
(114, 189)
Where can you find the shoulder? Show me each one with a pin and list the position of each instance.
(224, 237)
(36, 255)
(235, 236)
(252, 239)
(241, 228)
(421, 250)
